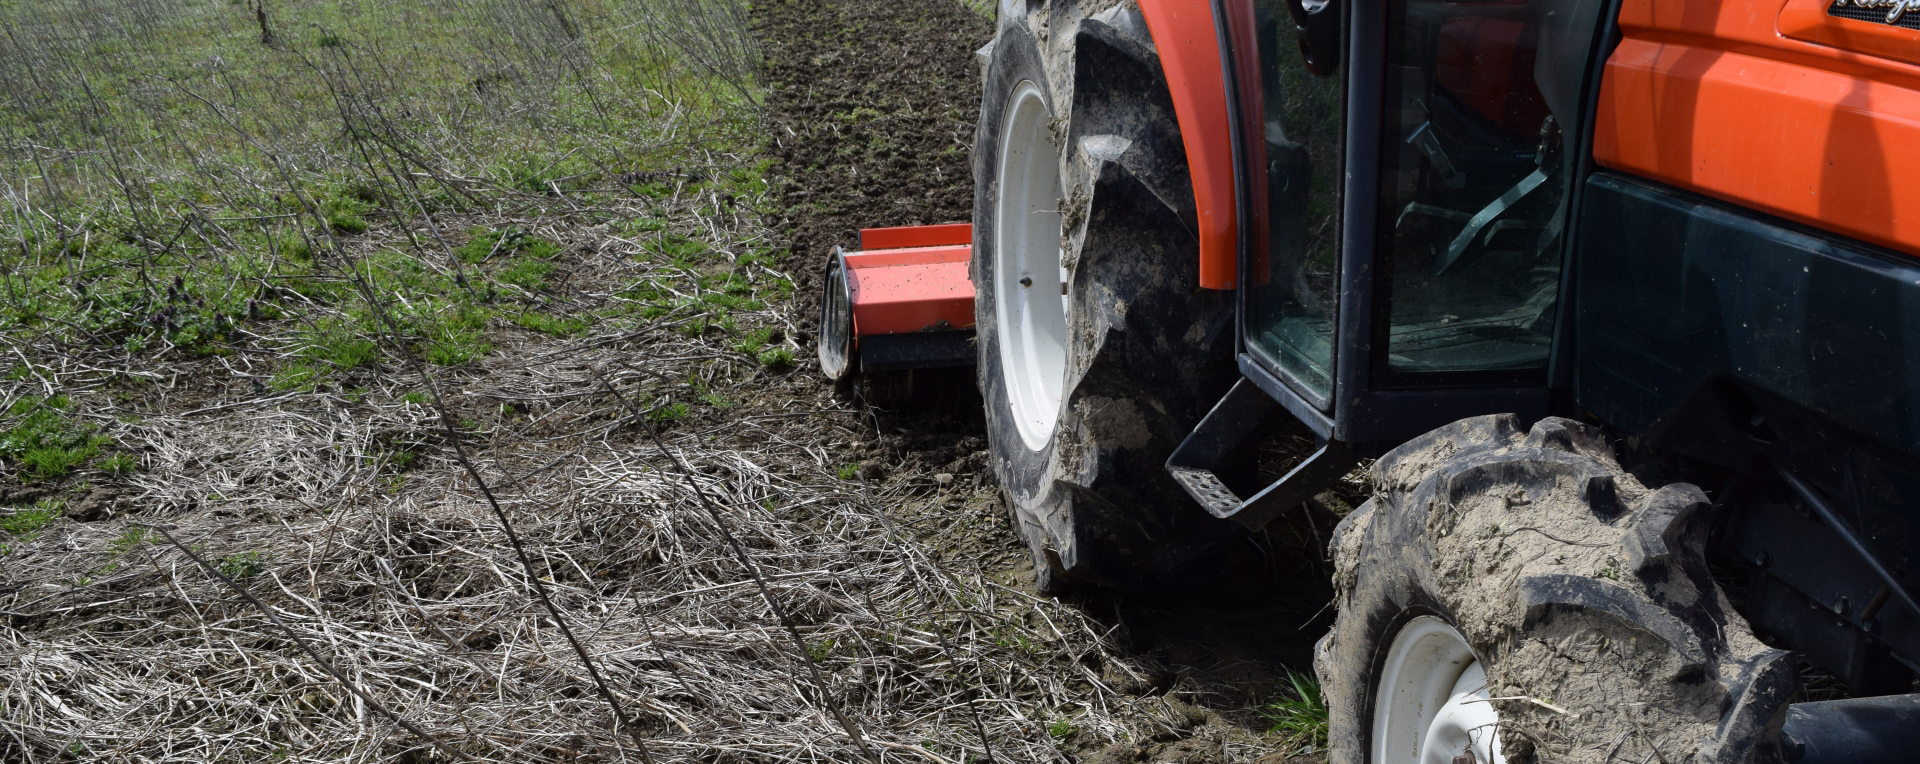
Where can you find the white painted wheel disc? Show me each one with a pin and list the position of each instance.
(1029, 308)
(1431, 701)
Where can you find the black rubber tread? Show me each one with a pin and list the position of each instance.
(1149, 350)
(1573, 584)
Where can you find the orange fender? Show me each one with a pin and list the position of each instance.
(1188, 40)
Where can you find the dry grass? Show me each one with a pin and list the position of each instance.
(341, 509)
(124, 650)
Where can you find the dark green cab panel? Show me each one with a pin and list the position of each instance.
(1722, 335)
(1671, 290)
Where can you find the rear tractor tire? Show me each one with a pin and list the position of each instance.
(1517, 596)
(1098, 350)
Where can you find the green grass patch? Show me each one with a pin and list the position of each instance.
(757, 344)
(119, 463)
(456, 349)
(26, 523)
(820, 651)
(291, 246)
(653, 189)
(108, 294)
(1299, 714)
(328, 348)
(528, 274)
(241, 566)
(672, 412)
(643, 225)
(777, 358)
(725, 302)
(680, 250)
(345, 214)
(456, 335)
(541, 322)
(1061, 729)
(489, 243)
(45, 440)
(126, 542)
(403, 459)
(753, 342)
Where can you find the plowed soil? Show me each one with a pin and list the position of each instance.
(871, 109)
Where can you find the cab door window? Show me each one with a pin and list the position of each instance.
(1481, 103)
(1292, 283)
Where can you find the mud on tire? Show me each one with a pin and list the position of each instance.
(1147, 350)
(1573, 584)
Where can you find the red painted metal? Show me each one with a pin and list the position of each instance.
(1188, 42)
(911, 298)
(915, 281)
(909, 256)
(916, 236)
(1777, 107)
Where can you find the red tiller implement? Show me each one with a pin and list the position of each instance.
(903, 301)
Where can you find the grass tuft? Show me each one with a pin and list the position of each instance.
(333, 346)
(490, 243)
(28, 522)
(241, 566)
(672, 412)
(120, 464)
(541, 322)
(528, 274)
(126, 542)
(753, 342)
(45, 441)
(777, 358)
(1299, 715)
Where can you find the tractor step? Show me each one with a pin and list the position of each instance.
(903, 301)
(1234, 423)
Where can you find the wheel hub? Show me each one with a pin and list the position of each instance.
(1430, 706)
(1029, 308)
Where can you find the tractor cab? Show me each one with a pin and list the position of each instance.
(1411, 179)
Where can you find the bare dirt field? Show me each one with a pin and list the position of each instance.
(364, 481)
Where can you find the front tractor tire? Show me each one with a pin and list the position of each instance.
(1516, 595)
(1098, 350)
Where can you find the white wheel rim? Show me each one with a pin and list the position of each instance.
(1431, 703)
(1030, 311)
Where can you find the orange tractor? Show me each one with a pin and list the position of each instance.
(1616, 295)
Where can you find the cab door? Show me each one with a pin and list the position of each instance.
(1407, 183)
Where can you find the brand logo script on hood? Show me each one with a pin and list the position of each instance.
(1895, 8)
